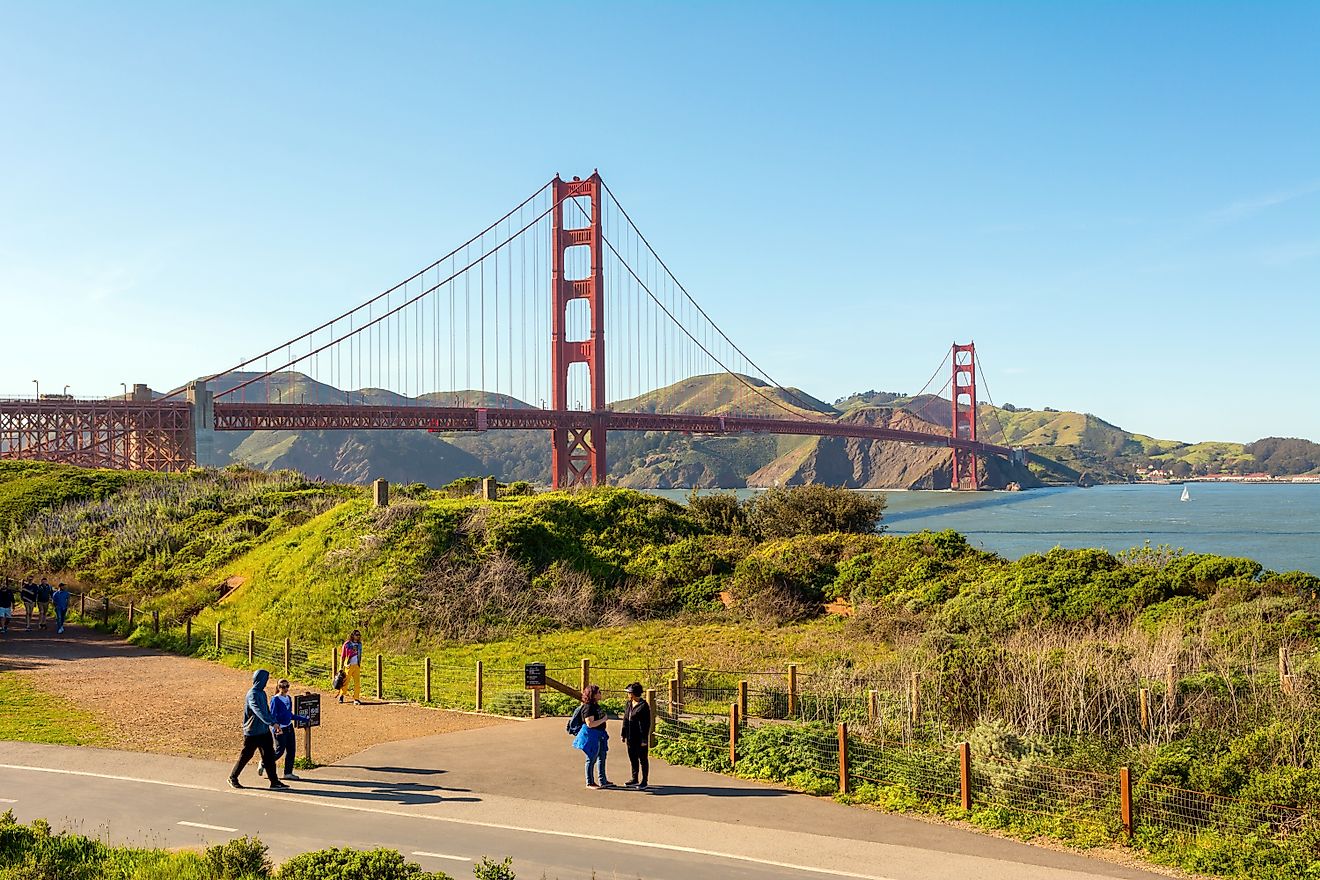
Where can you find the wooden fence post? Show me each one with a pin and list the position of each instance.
(1125, 799)
(481, 697)
(380, 678)
(1145, 709)
(843, 757)
(733, 734)
(252, 646)
(105, 611)
(155, 622)
(334, 661)
(742, 698)
(586, 672)
(872, 707)
(217, 637)
(1283, 664)
(673, 697)
(650, 701)
(426, 680)
(130, 616)
(82, 606)
(1171, 685)
(187, 634)
(792, 690)
(676, 693)
(965, 773)
(536, 703)
(914, 700)
(288, 655)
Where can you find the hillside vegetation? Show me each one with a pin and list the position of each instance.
(1046, 652)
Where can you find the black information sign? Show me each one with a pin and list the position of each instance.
(309, 705)
(534, 675)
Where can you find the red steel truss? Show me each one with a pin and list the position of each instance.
(124, 434)
(577, 453)
(963, 393)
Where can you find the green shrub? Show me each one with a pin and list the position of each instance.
(813, 510)
(239, 859)
(352, 864)
(488, 869)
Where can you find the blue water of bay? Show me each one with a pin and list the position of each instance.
(1276, 524)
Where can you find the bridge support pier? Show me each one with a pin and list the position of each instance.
(577, 451)
(203, 424)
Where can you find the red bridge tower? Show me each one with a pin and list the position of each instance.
(577, 452)
(964, 416)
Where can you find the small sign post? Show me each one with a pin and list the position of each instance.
(534, 676)
(308, 704)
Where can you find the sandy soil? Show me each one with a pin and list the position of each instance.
(152, 702)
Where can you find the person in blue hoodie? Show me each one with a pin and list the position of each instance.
(281, 707)
(258, 726)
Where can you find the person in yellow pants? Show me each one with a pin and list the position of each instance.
(352, 657)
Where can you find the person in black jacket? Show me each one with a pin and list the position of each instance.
(637, 736)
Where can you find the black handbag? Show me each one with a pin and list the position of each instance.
(338, 682)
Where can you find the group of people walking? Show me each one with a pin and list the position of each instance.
(38, 599)
(268, 729)
(591, 735)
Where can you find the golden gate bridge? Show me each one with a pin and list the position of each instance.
(559, 317)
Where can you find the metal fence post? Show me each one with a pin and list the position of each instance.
(792, 690)
(481, 685)
(426, 679)
(843, 757)
(1125, 799)
(650, 701)
(965, 773)
(380, 678)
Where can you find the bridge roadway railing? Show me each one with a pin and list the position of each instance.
(237, 416)
(892, 748)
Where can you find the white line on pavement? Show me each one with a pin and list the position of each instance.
(207, 827)
(431, 855)
(598, 838)
(8, 801)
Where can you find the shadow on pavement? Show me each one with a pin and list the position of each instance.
(711, 791)
(405, 793)
(411, 771)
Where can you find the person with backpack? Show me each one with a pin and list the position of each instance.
(258, 727)
(351, 654)
(60, 599)
(286, 741)
(636, 735)
(6, 605)
(44, 592)
(590, 735)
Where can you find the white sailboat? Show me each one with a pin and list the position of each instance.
(1186, 496)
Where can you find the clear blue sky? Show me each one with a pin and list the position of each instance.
(1119, 202)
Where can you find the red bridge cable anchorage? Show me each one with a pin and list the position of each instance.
(697, 305)
(374, 299)
(479, 261)
(676, 323)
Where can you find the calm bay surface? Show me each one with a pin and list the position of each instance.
(1276, 524)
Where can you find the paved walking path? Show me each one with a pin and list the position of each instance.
(512, 789)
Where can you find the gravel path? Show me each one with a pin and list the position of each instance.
(147, 701)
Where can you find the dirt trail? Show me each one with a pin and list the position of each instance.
(147, 701)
